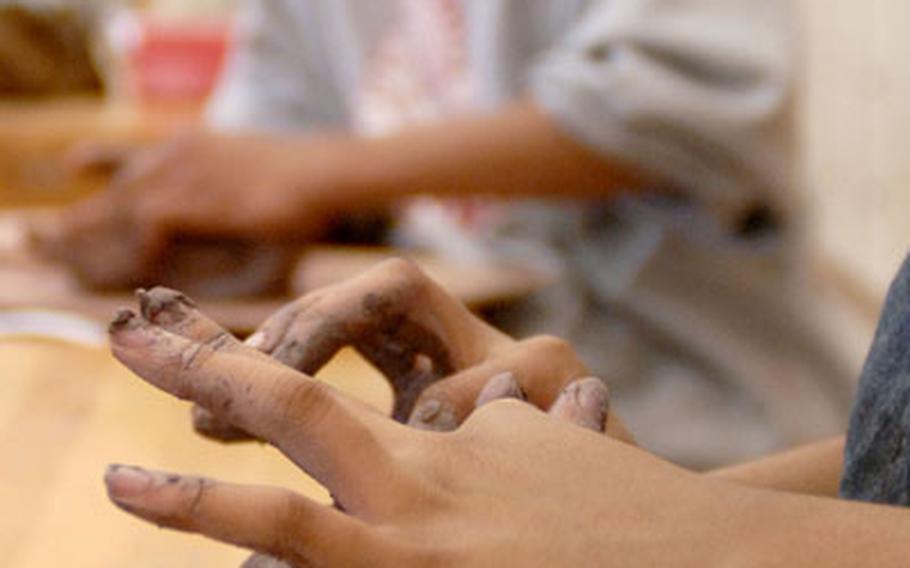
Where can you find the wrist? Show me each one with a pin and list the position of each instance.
(328, 176)
(362, 173)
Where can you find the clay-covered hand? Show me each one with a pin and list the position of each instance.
(196, 185)
(439, 358)
(511, 486)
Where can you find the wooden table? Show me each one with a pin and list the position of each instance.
(66, 411)
(35, 135)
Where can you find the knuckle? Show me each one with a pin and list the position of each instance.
(199, 489)
(403, 275)
(192, 504)
(556, 352)
(289, 520)
(302, 402)
(274, 330)
(399, 266)
(550, 345)
(220, 341)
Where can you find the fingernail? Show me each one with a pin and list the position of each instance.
(594, 397)
(256, 341)
(428, 410)
(584, 402)
(122, 319)
(433, 415)
(127, 482)
(163, 301)
(500, 386)
(128, 330)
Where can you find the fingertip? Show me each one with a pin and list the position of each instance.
(127, 329)
(125, 483)
(256, 341)
(434, 415)
(503, 385)
(123, 318)
(145, 303)
(160, 303)
(594, 396)
(584, 402)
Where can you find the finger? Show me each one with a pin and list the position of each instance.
(541, 366)
(317, 427)
(175, 312)
(258, 560)
(501, 386)
(392, 314)
(617, 430)
(178, 314)
(585, 402)
(269, 520)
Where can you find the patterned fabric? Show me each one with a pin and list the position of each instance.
(420, 70)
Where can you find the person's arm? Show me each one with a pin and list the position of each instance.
(519, 150)
(813, 469)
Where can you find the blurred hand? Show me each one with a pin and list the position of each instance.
(198, 185)
(511, 487)
(440, 360)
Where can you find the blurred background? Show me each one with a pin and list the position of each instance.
(132, 73)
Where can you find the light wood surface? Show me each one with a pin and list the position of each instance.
(66, 411)
(35, 135)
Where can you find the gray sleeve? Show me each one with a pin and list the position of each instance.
(277, 77)
(694, 92)
(877, 456)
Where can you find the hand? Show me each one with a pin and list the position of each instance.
(584, 402)
(438, 357)
(197, 185)
(511, 486)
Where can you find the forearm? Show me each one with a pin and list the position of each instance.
(517, 151)
(783, 529)
(812, 469)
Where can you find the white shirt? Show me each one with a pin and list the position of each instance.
(694, 91)
(697, 92)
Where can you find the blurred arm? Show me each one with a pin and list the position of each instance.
(518, 151)
(689, 96)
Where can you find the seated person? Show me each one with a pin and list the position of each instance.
(657, 132)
